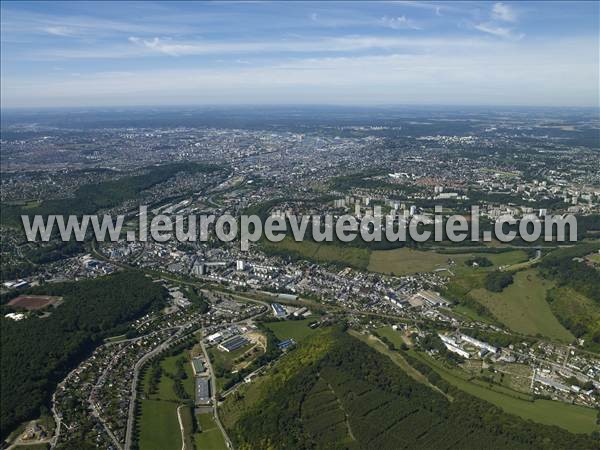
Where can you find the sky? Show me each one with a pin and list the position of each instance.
(85, 54)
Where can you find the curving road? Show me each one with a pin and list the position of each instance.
(136, 370)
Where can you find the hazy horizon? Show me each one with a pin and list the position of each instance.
(376, 54)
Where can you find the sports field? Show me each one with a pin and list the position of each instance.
(159, 427)
(210, 436)
(33, 302)
(522, 306)
(295, 329)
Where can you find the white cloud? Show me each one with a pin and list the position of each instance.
(498, 31)
(503, 12)
(399, 23)
(502, 72)
(297, 45)
(500, 13)
(396, 23)
(60, 31)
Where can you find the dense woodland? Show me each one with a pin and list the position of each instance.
(38, 352)
(496, 281)
(354, 397)
(568, 268)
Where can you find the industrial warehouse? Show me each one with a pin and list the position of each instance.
(233, 344)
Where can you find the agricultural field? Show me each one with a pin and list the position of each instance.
(209, 436)
(576, 419)
(158, 426)
(295, 329)
(523, 308)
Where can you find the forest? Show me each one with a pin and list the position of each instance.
(496, 281)
(353, 397)
(568, 268)
(38, 352)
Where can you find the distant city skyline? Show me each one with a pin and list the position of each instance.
(340, 53)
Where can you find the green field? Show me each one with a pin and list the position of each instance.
(404, 261)
(159, 427)
(225, 359)
(463, 310)
(595, 258)
(323, 253)
(165, 386)
(576, 419)
(187, 419)
(32, 447)
(224, 362)
(32, 204)
(401, 261)
(295, 329)
(113, 339)
(578, 312)
(210, 437)
(394, 336)
(158, 424)
(522, 306)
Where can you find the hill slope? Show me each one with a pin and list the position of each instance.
(350, 396)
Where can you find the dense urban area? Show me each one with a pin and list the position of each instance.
(311, 344)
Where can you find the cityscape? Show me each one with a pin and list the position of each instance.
(297, 344)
